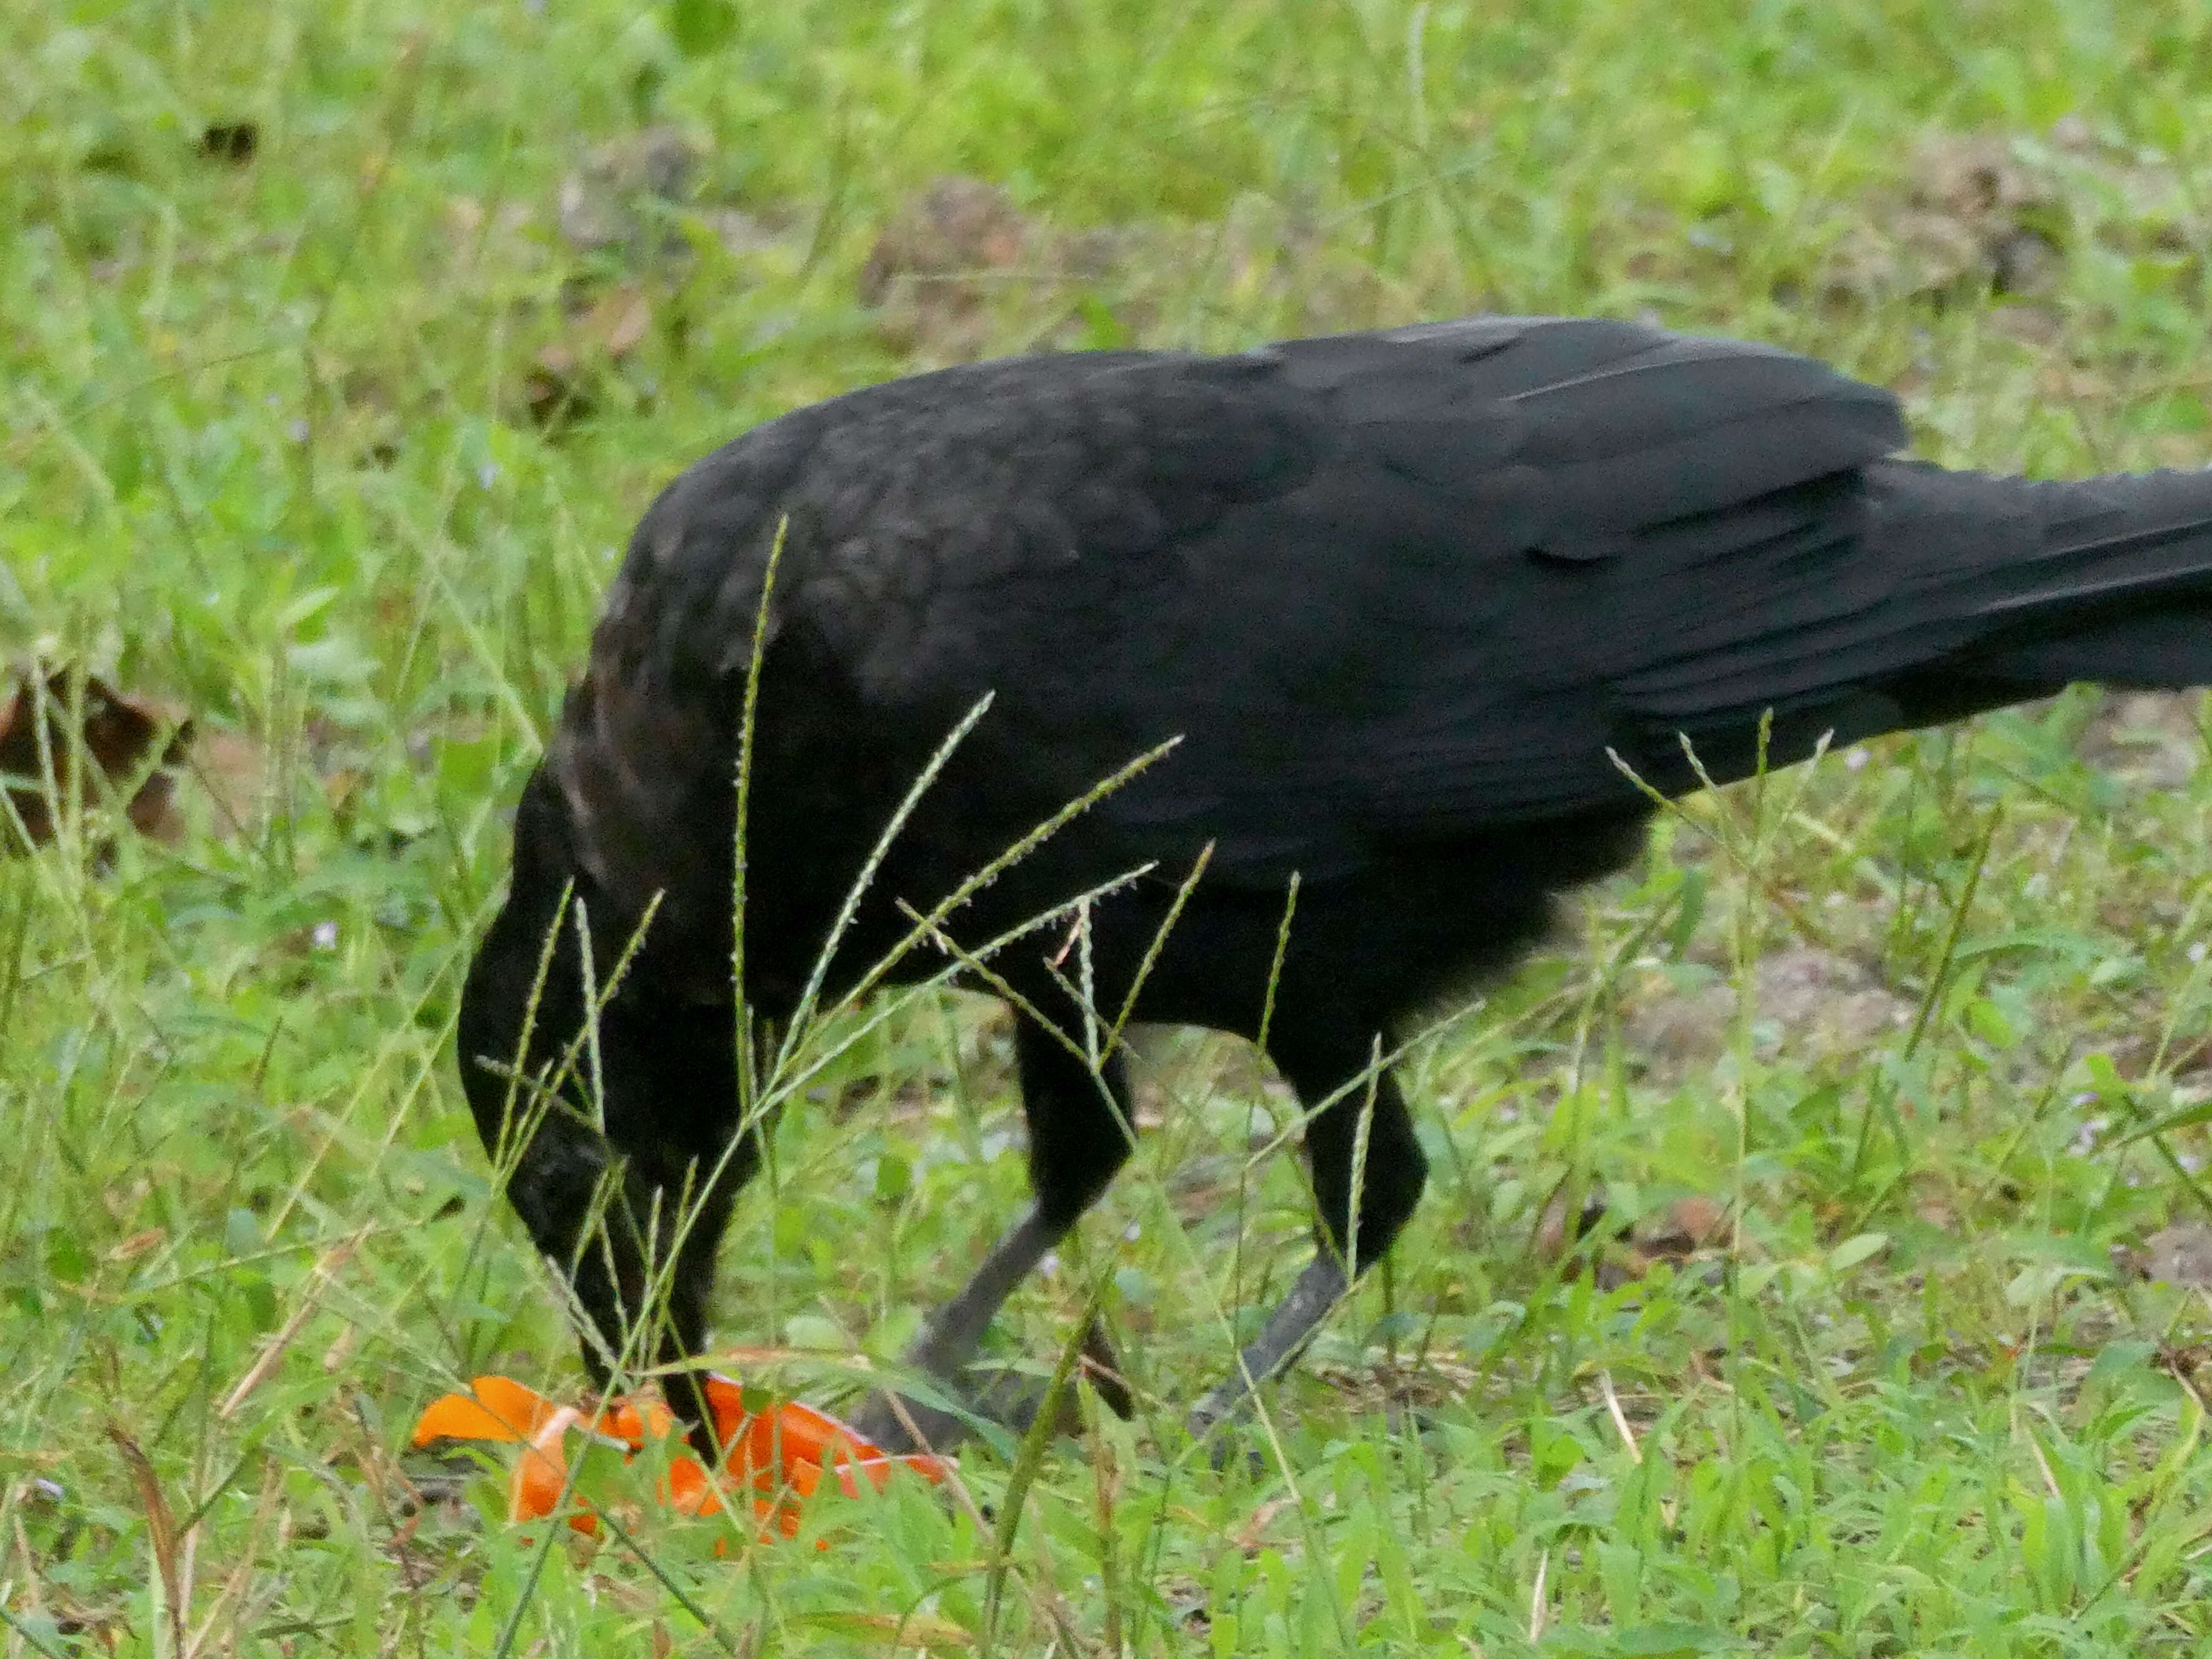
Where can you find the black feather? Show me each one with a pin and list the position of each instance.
(1402, 598)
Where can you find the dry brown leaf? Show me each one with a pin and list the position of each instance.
(161, 1529)
(117, 733)
(618, 322)
(137, 1245)
(341, 1351)
(1683, 1228)
(1554, 1233)
(611, 328)
(1677, 1233)
(1253, 1534)
(1936, 1212)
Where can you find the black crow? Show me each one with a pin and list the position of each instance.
(1406, 603)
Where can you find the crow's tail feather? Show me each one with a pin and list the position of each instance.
(2107, 580)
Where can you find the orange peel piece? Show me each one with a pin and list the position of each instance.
(495, 1409)
(533, 1491)
(781, 1452)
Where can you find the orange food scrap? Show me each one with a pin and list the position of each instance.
(495, 1408)
(781, 1452)
(533, 1491)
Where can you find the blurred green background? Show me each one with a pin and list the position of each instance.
(341, 345)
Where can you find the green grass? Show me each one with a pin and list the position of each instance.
(268, 452)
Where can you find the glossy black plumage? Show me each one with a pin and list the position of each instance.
(1404, 598)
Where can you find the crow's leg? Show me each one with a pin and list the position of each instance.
(1080, 1135)
(1391, 1170)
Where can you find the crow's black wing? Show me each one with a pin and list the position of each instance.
(1384, 586)
(1389, 588)
(1529, 542)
